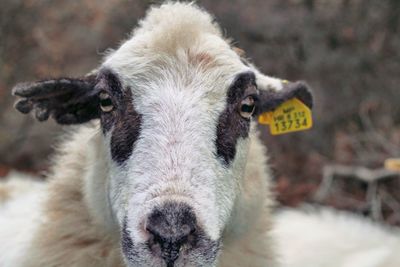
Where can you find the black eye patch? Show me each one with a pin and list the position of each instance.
(123, 122)
(231, 124)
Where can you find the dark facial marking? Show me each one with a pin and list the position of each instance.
(108, 82)
(231, 125)
(130, 250)
(127, 243)
(124, 121)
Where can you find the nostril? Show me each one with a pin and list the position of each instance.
(187, 229)
(155, 238)
(151, 231)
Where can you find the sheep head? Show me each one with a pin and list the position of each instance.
(177, 108)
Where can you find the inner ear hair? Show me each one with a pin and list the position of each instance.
(67, 100)
(270, 99)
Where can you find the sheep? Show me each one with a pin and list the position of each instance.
(164, 166)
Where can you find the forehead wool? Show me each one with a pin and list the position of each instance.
(176, 25)
(180, 39)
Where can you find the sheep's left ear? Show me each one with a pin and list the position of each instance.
(67, 100)
(270, 97)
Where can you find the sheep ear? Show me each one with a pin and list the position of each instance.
(67, 100)
(270, 97)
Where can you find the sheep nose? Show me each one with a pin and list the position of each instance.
(171, 227)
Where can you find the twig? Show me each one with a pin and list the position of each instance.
(371, 177)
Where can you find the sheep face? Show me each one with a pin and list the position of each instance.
(178, 147)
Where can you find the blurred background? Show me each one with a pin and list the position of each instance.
(347, 50)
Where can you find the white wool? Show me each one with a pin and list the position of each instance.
(324, 237)
(176, 25)
(20, 214)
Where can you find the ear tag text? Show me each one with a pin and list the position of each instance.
(290, 116)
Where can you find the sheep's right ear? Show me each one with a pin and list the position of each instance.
(67, 100)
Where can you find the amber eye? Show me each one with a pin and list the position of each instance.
(106, 104)
(247, 107)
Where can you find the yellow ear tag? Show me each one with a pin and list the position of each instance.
(290, 116)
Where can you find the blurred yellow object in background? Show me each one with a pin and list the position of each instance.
(393, 164)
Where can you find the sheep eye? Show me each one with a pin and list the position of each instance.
(247, 107)
(106, 104)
